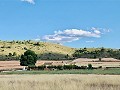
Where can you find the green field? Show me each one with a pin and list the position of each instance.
(98, 71)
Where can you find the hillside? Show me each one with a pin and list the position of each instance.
(13, 49)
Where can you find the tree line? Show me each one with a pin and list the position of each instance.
(97, 53)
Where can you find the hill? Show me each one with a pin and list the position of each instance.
(11, 50)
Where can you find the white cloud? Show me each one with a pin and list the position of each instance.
(96, 30)
(70, 35)
(29, 1)
(90, 41)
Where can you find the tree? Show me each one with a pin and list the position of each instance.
(29, 58)
(90, 66)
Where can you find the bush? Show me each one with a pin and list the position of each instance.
(68, 67)
(59, 67)
(25, 48)
(76, 67)
(10, 54)
(100, 67)
(41, 67)
(9, 47)
(14, 54)
(37, 44)
(83, 67)
(51, 67)
(90, 66)
(33, 67)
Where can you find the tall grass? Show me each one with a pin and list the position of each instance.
(59, 82)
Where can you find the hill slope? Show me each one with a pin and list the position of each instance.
(13, 50)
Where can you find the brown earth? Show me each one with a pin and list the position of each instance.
(106, 62)
(11, 65)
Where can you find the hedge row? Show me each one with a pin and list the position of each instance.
(64, 67)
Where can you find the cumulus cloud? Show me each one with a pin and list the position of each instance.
(29, 1)
(70, 35)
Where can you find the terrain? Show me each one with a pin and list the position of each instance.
(59, 82)
(12, 50)
(106, 62)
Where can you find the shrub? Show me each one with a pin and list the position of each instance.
(90, 66)
(52, 67)
(33, 67)
(25, 48)
(37, 44)
(59, 67)
(41, 67)
(14, 54)
(68, 67)
(76, 67)
(83, 67)
(10, 54)
(100, 67)
(9, 47)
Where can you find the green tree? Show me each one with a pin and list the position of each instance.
(90, 66)
(29, 58)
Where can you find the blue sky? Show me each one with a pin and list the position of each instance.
(74, 23)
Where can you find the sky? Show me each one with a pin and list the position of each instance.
(73, 23)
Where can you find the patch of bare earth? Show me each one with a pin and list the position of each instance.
(106, 62)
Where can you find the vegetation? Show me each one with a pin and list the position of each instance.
(112, 71)
(90, 66)
(29, 58)
(97, 53)
(12, 50)
(60, 67)
(59, 82)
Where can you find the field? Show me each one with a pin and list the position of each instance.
(59, 82)
(106, 62)
(12, 65)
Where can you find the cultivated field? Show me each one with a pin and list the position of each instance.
(12, 65)
(59, 82)
(106, 62)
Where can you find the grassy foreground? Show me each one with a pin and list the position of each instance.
(59, 82)
(98, 71)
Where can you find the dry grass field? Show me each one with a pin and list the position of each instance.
(59, 82)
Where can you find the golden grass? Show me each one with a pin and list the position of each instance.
(59, 82)
(45, 48)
